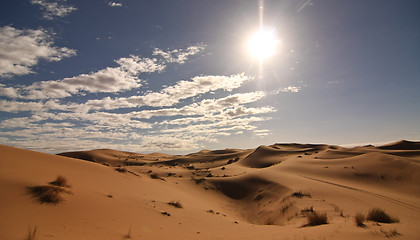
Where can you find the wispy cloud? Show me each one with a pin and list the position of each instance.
(114, 4)
(54, 8)
(20, 50)
(292, 89)
(178, 55)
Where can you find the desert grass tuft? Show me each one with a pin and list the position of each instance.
(307, 210)
(32, 234)
(165, 213)
(52, 193)
(60, 181)
(300, 194)
(121, 170)
(176, 204)
(48, 194)
(315, 219)
(359, 219)
(379, 215)
(128, 235)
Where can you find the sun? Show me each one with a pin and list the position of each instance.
(263, 43)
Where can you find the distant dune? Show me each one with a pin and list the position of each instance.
(270, 192)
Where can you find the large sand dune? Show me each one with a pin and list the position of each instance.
(262, 193)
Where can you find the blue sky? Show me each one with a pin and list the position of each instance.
(177, 77)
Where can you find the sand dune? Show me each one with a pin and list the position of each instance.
(262, 193)
(401, 145)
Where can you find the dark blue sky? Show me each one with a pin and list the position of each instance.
(177, 77)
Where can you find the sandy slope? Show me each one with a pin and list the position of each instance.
(225, 194)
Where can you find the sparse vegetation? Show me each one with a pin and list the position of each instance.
(379, 215)
(128, 235)
(165, 213)
(284, 208)
(390, 233)
(32, 234)
(121, 170)
(315, 219)
(258, 197)
(300, 194)
(60, 181)
(359, 219)
(47, 194)
(176, 204)
(155, 176)
(52, 193)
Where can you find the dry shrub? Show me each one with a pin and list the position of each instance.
(51, 193)
(48, 194)
(300, 194)
(359, 219)
(307, 210)
(176, 204)
(315, 219)
(379, 215)
(60, 181)
(165, 213)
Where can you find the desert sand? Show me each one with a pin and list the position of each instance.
(262, 193)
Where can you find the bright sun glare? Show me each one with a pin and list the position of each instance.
(263, 43)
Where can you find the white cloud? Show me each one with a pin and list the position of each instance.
(262, 132)
(104, 80)
(218, 126)
(8, 91)
(20, 50)
(172, 94)
(242, 111)
(16, 106)
(71, 144)
(111, 79)
(204, 107)
(115, 4)
(207, 107)
(135, 65)
(179, 55)
(35, 107)
(293, 89)
(168, 142)
(208, 119)
(54, 8)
